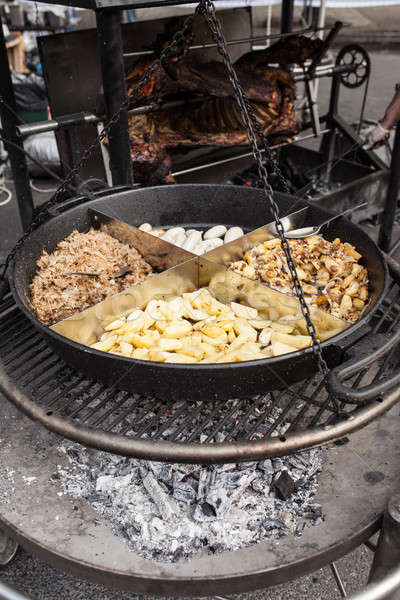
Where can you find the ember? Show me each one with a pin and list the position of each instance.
(169, 512)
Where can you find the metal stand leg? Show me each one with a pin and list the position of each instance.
(385, 232)
(113, 75)
(8, 549)
(387, 555)
(9, 123)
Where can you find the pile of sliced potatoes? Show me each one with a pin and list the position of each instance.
(197, 328)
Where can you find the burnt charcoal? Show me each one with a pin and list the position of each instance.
(299, 529)
(167, 512)
(284, 486)
(274, 524)
(342, 442)
(266, 466)
(208, 509)
(167, 507)
(277, 464)
(184, 491)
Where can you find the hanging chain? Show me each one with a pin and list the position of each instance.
(251, 124)
(174, 50)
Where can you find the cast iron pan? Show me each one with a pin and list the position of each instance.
(201, 205)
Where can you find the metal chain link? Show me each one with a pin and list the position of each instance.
(174, 50)
(251, 124)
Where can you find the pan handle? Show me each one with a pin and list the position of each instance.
(368, 350)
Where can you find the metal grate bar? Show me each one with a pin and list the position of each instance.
(11, 334)
(104, 416)
(120, 418)
(302, 413)
(62, 392)
(220, 425)
(45, 354)
(388, 305)
(161, 413)
(7, 303)
(189, 419)
(27, 344)
(7, 323)
(110, 394)
(202, 425)
(74, 395)
(168, 425)
(54, 361)
(242, 421)
(93, 395)
(150, 407)
(262, 418)
(394, 323)
(51, 374)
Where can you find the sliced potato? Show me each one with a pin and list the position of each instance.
(282, 327)
(170, 344)
(177, 329)
(175, 357)
(265, 336)
(297, 341)
(260, 323)
(246, 312)
(115, 325)
(278, 348)
(105, 345)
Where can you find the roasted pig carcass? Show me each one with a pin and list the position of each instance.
(210, 115)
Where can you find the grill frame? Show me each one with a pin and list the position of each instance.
(315, 420)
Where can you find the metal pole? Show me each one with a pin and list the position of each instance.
(7, 593)
(9, 124)
(387, 555)
(113, 76)
(287, 11)
(385, 231)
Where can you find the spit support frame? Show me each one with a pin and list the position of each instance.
(303, 415)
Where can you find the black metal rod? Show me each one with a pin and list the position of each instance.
(287, 12)
(386, 228)
(113, 76)
(387, 555)
(9, 125)
(8, 593)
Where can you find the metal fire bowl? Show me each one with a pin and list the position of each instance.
(357, 480)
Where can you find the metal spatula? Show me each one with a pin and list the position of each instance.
(304, 232)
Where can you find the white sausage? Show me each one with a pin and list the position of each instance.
(172, 234)
(214, 243)
(215, 232)
(233, 234)
(180, 239)
(192, 240)
(146, 227)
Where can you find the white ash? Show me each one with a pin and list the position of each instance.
(7, 487)
(169, 512)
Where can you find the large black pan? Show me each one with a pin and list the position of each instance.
(195, 205)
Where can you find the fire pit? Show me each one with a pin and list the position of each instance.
(71, 535)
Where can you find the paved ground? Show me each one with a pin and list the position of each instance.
(39, 581)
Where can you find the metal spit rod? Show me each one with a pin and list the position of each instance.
(246, 155)
(246, 40)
